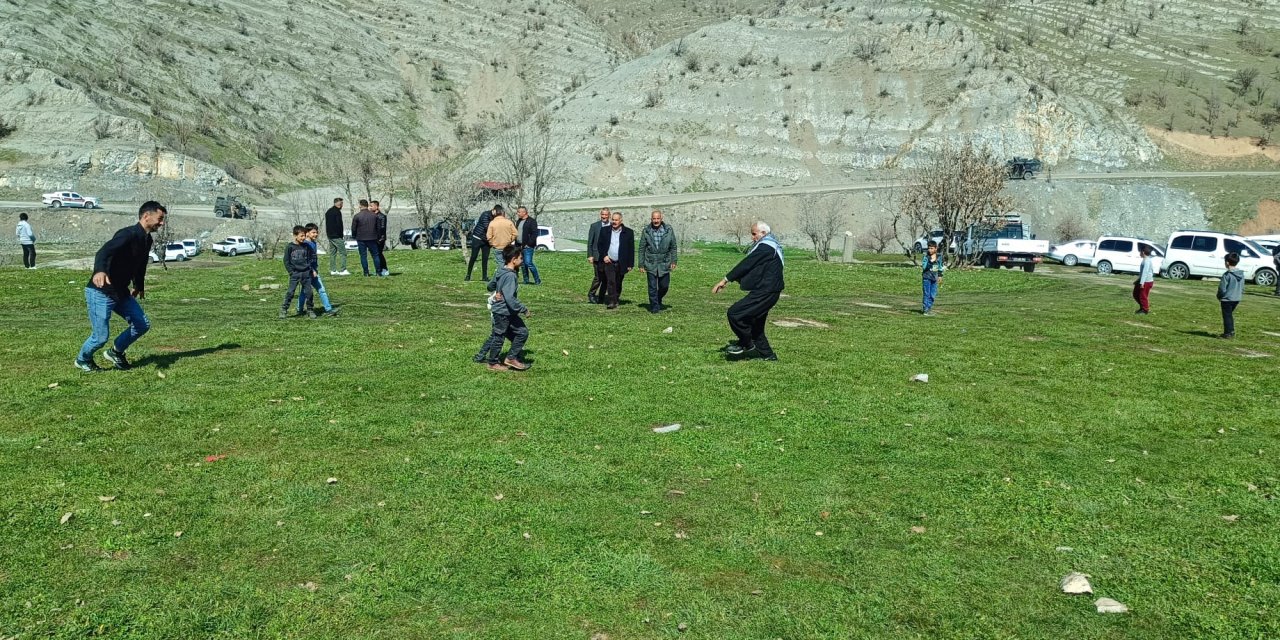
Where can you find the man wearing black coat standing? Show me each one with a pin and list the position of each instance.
(597, 267)
(380, 219)
(760, 275)
(479, 241)
(335, 233)
(616, 247)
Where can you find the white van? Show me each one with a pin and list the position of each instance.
(1201, 253)
(1117, 254)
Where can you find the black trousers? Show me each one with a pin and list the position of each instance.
(597, 279)
(613, 275)
(747, 318)
(307, 299)
(658, 286)
(479, 247)
(1229, 316)
(505, 327)
(382, 255)
(28, 255)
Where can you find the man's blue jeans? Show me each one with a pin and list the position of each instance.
(100, 307)
(369, 247)
(528, 266)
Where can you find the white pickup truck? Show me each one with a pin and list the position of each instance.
(1005, 243)
(234, 245)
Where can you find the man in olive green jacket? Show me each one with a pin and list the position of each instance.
(658, 258)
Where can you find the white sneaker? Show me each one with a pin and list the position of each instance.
(333, 273)
(344, 272)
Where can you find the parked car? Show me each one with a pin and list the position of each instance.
(234, 245)
(1117, 254)
(1196, 254)
(58, 199)
(1073, 253)
(1268, 242)
(192, 247)
(935, 235)
(546, 239)
(441, 235)
(1004, 242)
(174, 251)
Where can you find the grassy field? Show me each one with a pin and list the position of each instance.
(820, 496)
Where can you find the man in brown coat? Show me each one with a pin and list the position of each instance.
(501, 234)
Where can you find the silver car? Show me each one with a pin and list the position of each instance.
(1073, 253)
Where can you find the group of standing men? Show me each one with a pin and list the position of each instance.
(611, 250)
(368, 228)
(494, 232)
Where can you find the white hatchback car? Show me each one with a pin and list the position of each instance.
(174, 251)
(1073, 253)
(191, 246)
(1117, 254)
(1194, 254)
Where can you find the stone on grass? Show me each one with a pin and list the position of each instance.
(920, 377)
(668, 330)
(670, 428)
(1076, 583)
(66, 517)
(1107, 605)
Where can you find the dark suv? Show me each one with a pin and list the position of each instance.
(441, 235)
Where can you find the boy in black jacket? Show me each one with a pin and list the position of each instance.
(297, 261)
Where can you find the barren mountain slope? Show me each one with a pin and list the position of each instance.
(98, 86)
(815, 94)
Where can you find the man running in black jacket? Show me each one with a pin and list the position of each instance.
(760, 275)
(337, 243)
(120, 262)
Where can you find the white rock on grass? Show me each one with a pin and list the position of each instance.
(920, 377)
(1107, 605)
(1076, 583)
(668, 428)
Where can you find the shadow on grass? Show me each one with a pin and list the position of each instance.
(1202, 334)
(166, 360)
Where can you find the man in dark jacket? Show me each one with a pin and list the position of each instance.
(760, 275)
(120, 262)
(364, 228)
(657, 258)
(616, 247)
(593, 257)
(335, 233)
(479, 240)
(381, 219)
(527, 238)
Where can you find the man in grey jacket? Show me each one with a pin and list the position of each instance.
(27, 238)
(593, 256)
(657, 258)
(507, 323)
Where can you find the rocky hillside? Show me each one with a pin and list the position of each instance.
(817, 93)
(191, 90)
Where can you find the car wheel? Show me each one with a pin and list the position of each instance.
(1027, 175)
(1029, 268)
(540, 247)
(56, 204)
(1178, 271)
(916, 248)
(1264, 277)
(232, 253)
(1104, 268)
(1070, 260)
(416, 244)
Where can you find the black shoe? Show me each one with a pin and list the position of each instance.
(655, 309)
(592, 299)
(117, 359)
(87, 367)
(480, 358)
(331, 313)
(734, 350)
(773, 357)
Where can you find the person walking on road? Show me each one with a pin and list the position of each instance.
(597, 266)
(760, 275)
(26, 238)
(617, 248)
(337, 242)
(480, 242)
(120, 262)
(658, 249)
(364, 228)
(527, 237)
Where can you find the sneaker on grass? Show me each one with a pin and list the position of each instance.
(117, 359)
(87, 367)
(515, 364)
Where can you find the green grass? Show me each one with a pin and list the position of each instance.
(1050, 420)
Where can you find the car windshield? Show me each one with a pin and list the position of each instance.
(1253, 244)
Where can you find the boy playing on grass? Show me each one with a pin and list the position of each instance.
(1146, 279)
(1230, 290)
(507, 324)
(297, 261)
(931, 277)
(313, 233)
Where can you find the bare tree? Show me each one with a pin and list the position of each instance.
(1069, 228)
(533, 160)
(878, 236)
(820, 221)
(736, 225)
(959, 186)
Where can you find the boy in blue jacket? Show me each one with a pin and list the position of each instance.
(507, 323)
(1230, 290)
